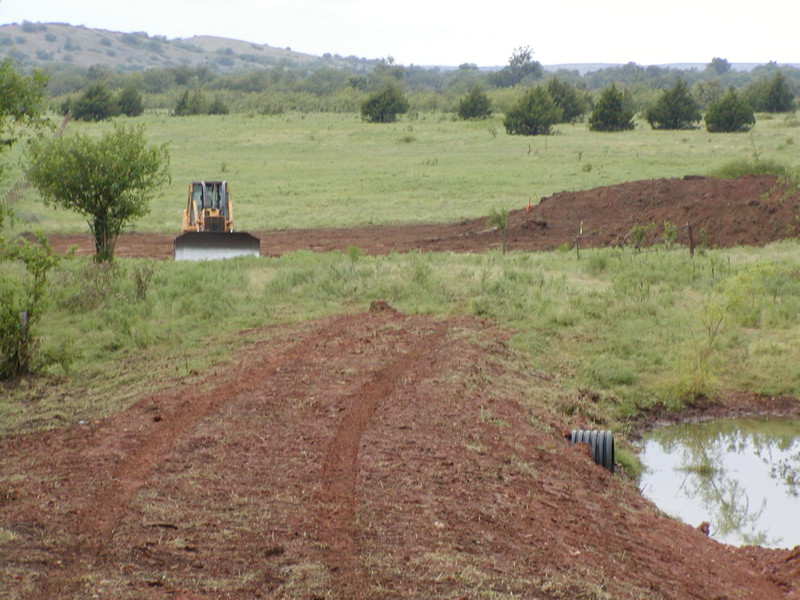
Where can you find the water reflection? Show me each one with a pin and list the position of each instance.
(743, 476)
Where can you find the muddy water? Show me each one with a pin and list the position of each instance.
(741, 476)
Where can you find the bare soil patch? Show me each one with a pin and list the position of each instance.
(722, 213)
(376, 455)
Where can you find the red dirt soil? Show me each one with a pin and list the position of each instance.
(375, 455)
(722, 213)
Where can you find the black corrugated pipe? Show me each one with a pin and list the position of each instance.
(600, 442)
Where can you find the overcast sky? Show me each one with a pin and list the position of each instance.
(427, 32)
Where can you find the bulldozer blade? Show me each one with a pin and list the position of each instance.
(207, 245)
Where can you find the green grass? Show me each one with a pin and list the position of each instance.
(641, 328)
(320, 170)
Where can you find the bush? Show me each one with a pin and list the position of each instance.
(729, 114)
(22, 299)
(739, 168)
(771, 95)
(96, 104)
(568, 99)
(533, 114)
(130, 101)
(384, 105)
(675, 109)
(475, 105)
(609, 113)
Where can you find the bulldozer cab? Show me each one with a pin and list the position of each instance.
(211, 195)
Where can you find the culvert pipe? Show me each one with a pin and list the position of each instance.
(601, 444)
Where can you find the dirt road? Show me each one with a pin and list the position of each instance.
(362, 456)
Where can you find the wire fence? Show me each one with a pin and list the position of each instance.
(19, 187)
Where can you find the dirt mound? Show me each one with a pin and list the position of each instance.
(376, 455)
(721, 212)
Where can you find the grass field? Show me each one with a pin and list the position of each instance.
(639, 328)
(322, 170)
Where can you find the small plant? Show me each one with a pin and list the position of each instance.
(670, 234)
(637, 234)
(499, 219)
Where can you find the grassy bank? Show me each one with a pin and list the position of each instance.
(635, 327)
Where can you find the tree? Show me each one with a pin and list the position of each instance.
(675, 109)
(21, 102)
(109, 180)
(520, 66)
(130, 101)
(719, 66)
(567, 98)
(475, 105)
(534, 113)
(95, 104)
(777, 97)
(384, 105)
(729, 114)
(609, 113)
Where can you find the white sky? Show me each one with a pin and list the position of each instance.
(427, 32)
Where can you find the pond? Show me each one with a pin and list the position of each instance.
(742, 476)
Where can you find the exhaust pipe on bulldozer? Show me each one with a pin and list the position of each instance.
(209, 245)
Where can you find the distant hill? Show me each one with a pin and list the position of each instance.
(45, 44)
(50, 44)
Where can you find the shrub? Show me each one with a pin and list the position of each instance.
(739, 168)
(568, 99)
(675, 109)
(95, 104)
(22, 300)
(729, 114)
(535, 113)
(609, 113)
(384, 105)
(130, 101)
(475, 105)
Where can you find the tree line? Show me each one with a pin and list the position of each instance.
(319, 87)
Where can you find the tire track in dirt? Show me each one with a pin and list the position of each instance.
(338, 528)
(108, 495)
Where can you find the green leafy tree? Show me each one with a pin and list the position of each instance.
(718, 66)
(384, 105)
(730, 114)
(130, 101)
(675, 109)
(609, 113)
(475, 105)
(21, 102)
(109, 181)
(95, 104)
(567, 97)
(521, 66)
(534, 113)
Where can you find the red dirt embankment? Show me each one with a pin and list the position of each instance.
(722, 212)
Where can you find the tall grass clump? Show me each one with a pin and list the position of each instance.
(752, 166)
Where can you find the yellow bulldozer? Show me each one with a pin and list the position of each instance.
(208, 226)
